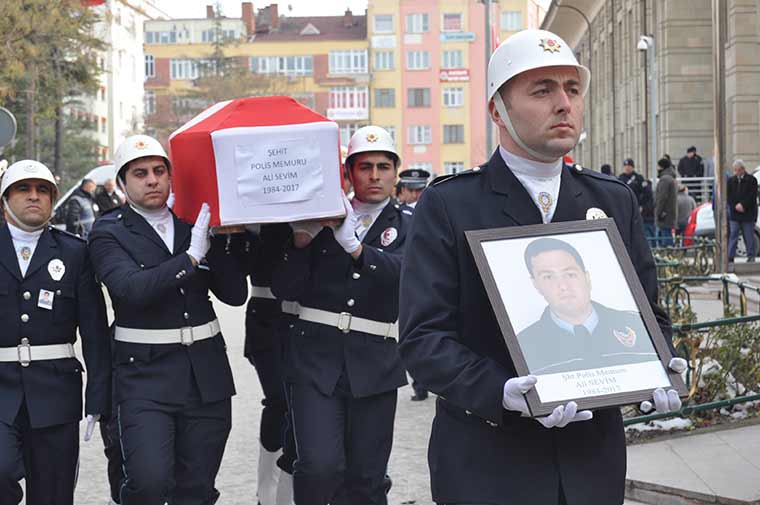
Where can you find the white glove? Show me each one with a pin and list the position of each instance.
(345, 234)
(666, 401)
(199, 241)
(514, 399)
(310, 228)
(92, 420)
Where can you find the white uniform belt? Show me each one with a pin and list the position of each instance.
(346, 322)
(25, 353)
(185, 336)
(290, 307)
(262, 292)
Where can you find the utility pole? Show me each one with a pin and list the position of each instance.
(719, 111)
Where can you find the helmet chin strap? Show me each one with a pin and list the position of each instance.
(17, 222)
(502, 109)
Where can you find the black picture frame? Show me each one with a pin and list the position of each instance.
(537, 407)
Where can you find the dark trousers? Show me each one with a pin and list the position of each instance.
(288, 458)
(269, 369)
(747, 229)
(172, 452)
(45, 457)
(342, 443)
(109, 433)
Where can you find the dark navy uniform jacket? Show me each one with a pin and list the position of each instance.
(619, 338)
(451, 343)
(52, 389)
(264, 251)
(152, 288)
(323, 276)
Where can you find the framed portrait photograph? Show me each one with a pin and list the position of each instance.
(574, 314)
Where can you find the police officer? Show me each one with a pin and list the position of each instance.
(264, 349)
(603, 336)
(172, 378)
(412, 183)
(451, 339)
(633, 179)
(47, 293)
(343, 369)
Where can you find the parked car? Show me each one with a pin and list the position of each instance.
(702, 224)
(99, 175)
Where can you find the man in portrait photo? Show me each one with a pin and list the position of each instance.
(575, 332)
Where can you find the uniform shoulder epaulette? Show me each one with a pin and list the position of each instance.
(578, 169)
(449, 177)
(66, 233)
(111, 214)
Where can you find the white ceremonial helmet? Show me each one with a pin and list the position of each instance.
(137, 146)
(523, 51)
(27, 169)
(372, 138)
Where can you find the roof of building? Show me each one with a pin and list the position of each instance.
(329, 28)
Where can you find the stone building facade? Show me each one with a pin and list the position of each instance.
(617, 106)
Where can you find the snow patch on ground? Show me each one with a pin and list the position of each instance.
(677, 423)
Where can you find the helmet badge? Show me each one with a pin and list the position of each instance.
(140, 145)
(550, 45)
(372, 138)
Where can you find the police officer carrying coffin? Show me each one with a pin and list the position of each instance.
(264, 349)
(343, 366)
(483, 447)
(47, 292)
(172, 379)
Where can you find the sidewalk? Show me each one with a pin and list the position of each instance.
(717, 467)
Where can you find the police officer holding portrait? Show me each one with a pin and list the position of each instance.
(172, 378)
(48, 292)
(343, 368)
(484, 447)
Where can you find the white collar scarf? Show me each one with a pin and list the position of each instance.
(541, 180)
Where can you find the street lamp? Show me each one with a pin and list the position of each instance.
(646, 43)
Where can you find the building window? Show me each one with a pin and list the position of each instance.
(511, 21)
(348, 62)
(385, 97)
(452, 59)
(180, 70)
(453, 167)
(348, 98)
(420, 135)
(161, 37)
(347, 131)
(149, 102)
(421, 165)
(417, 23)
(150, 66)
(453, 134)
(102, 125)
(284, 65)
(418, 97)
(210, 35)
(306, 99)
(453, 97)
(452, 22)
(383, 60)
(383, 23)
(417, 60)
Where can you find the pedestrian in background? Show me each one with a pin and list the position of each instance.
(665, 203)
(647, 213)
(106, 197)
(742, 207)
(691, 165)
(81, 209)
(606, 169)
(685, 203)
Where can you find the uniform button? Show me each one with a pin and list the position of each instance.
(131, 359)
(356, 275)
(468, 412)
(186, 315)
(118, 217)
(142, 266)
(182, 291)
(350, 302)
(24, 318)
(324, 251)
(58, 292)
(177, 276)
(27, 295)
(373, 267)
(491, 424)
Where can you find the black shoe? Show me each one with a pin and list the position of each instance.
(419, 396)
(751, 260)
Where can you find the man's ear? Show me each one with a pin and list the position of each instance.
(495, 116)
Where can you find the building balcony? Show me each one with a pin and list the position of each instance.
(356, 114)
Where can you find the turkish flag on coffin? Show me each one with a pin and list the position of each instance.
(257, 160)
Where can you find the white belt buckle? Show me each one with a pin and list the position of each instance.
(344, 322)
(186, 335)
(24, 352)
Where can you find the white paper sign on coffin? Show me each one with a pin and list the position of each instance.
(277, 173)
